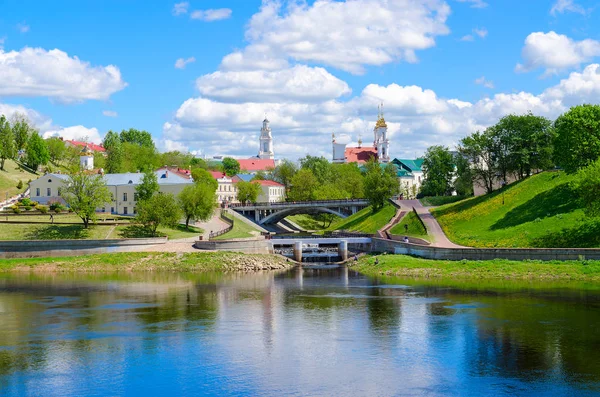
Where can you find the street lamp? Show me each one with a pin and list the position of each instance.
(503, 185)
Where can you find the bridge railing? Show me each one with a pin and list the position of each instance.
(287, 203)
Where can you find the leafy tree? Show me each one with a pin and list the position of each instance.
(201, 176)
(198, 163)
(577, 142)
(140, 158)
(22, 129)
(330, 191)
(56, 149)
(348, 178)
(85, 193)
(303, 186)
(319, 166)
(114, 149)
(20, 185)
(37, 151)
(284, 173)
(463, 184)
(148, 187)
(438, 169)
(478, 150)
(381, 184)
(176, 159)
(260, 176)
(197, 201)
(137, 137)
(7, 141)
(587, 186)
(159, 210)
(248, 192)
(231, 166)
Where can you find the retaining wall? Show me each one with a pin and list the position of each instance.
(245, 245)
(46, 248)
(517, 254)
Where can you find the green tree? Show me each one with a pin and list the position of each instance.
(463, 184)
(577, 142)
(56, 149)
(197, 201)
(37, 151)
(199, 163)
(22, 129)
(20, 185)
(380, 184)
(137, 137)
(348, 178)
(319, 166)
(303, 186)
(138, 158)
(587, 186)
(478, 149)
(159, 210)
(84, 194)
(284, 173)
(114, 149)
(7, 141)
(247, 192)
(260, 176)
(231, 166)
(202, 176)
(176, 159)
(330, 191)
(148, 187)
(438, 169)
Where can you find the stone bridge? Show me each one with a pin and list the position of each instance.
(265, 213)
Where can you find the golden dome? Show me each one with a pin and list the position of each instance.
(381, 123)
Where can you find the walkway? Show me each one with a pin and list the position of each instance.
(433, 227)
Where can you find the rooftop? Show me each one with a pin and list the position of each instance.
(91, 146)
(253, 165)
(359, 154)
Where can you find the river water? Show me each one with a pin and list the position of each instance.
(304, 332)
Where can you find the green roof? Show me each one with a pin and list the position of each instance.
(409, 165)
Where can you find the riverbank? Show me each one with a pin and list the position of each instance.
(406, 266)
(150, 261)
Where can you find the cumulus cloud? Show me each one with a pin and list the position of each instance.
(181, 63)
(211, 15)
(300, 82)
(78, 133)
(563, 6)
(484, 82)
(475, 3)
(109, 113)
(479, 32)
(37, 72)
(180, 8)
(23, 27)
(41, 122)
(555, 52)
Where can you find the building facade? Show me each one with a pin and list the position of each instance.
(266, 142)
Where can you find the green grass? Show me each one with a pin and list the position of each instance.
(415, 228)
(136, 231)
(147, 261)
(406, 266)
(10, 177)
(63, 217)
(540, 211)
(52, 232)
(240, 230)
(308, 222)
(365, 221)
(434, 201)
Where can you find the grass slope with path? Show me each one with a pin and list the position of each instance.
(240, 230)
(541, 211)
(415, 227)
(365, 221)
(10, 177)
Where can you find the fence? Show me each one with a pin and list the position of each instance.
(286, 203)
(225, 217)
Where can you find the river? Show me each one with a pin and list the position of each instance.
(304, 332)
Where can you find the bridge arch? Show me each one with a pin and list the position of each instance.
(279, 215)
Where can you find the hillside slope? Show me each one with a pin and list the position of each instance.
(10, 177)
(365, 221)
(541, 211)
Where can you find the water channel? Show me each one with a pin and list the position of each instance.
(316, 332)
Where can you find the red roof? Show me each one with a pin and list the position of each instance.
(252, 165)
(180, 171)
(218, 174)
(268, 183)
(359, 154)
(92, 146)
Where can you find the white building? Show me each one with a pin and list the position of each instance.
(266, 142)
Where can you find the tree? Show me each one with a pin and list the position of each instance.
(577, 142)
(37, 151)
(231, 166)
(159, 210)
(381, 184)
(587, 186)
(114, 149)
(463, 184)
(199, 163)
(20, 185)
(348, 178)
(198, 202)
(137, 137)
(138, 158)
(260, 176)
(56, 149)
(478, 150)
(7, 141)
(85, 193)
(330, 191)
(303, 186)
(148, 187)
(438, 169)
(320, 167)
(22, 129)
(284, 173)
(176, 159)
(248, 192)
(202, 176)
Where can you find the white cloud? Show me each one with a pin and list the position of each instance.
(368, 32)
(468, 37)
(253, 57)
(299, 83)
(180, 8)
(481, 32)
(475, 3)
(211, 15)
(563, 6)
(555, 52)
(23, 27)
(78, 133)
(41, 122)
(484, 82)
(182, 63)
(37, 72)
(109, 113)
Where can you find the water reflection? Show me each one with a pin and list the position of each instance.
(307, 331)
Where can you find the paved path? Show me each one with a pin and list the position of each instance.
(214, 224)
(433, 227)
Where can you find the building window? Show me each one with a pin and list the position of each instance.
(112, 210)
(136, 197)
(124, 210)
(103, 209)
(134, 210)
(49, 191)
(59, 191)
(37, 192)
(124, 196)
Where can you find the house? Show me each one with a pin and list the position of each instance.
(271, 191)
(226, 189)
(410, 176)
(79, 144)
(254, 165)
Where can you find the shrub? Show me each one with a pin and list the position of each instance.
(20, 185)
(16, 210)
(27, 207)
(58, 210)
(42, 208)
(34, 204)
(26, 201)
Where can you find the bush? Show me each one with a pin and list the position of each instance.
(27, 207)
(58, 210)
(56, 206)
(16, 210)
(34, 204)
(20, 185)
(42, 208)
(26, 201)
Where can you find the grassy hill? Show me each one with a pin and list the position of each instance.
(365, 221)
(541, 211)
(415, 228)
(10, 177)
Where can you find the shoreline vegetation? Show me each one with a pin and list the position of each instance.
(150, 262)
(498, 269)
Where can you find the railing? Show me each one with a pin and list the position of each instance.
(420, 220)
(224, 215)
(286, 203)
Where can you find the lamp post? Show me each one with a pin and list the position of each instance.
(503, 185)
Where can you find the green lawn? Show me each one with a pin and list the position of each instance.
(365, 221)
(10, 177)
(63, 217)
(308, 222)
(136, 231)
(541, 211)
(47, 231)
(435, 201)
(415, 228)
(240, 230)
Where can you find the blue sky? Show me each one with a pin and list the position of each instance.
(443, 69)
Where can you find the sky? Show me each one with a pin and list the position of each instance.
(201, 75)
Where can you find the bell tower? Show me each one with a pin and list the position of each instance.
(265, 150)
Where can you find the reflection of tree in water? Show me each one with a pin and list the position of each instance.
(383, 310)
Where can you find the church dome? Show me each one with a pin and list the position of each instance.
(381, 123)
(86, 151)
